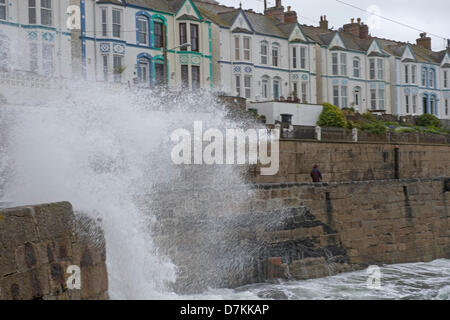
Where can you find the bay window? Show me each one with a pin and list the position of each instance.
(247, 49)
(294, 57)
(343, 64)
(380, 64)
(104, 22)
(248, 86)
(334, 62)
(372, 69)
(303, 57)
(195, 70)
(237, 48)
(183, 36)
(264, 52)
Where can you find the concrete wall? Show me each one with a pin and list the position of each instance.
(302, 114)
(341, 161)
(37, 246)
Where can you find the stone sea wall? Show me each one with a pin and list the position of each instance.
(300, 230)
(345, 161)
(46, 252)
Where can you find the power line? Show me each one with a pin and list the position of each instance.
(391, 20)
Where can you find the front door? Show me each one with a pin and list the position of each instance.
(425, 105)
(144, 73)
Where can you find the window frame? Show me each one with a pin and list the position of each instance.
(196, 77)
(34, 58)
(104, 21)
(406, 73)
(117, 75)
(265, 56)
(380, 69)
(304, 86)
(445, 77)
(32, 8)
(185, 76)
(265, 87)
(372, 69)
(183, 38)
(275, 55)
(407, 103)
(247, 52)
(48, 10)
(344, 96)
(335, 63)
(357, 67)
(4, 4)
(336, 95)
(238, 85)
(247, 86)
(343, 63)
(194, 31)
(414, 103)
(303, 57)
(294, 57)
(237, 48)
(431, 81)
(413, 74)
(381, 98)
(116, 26)
(158, 39)
(277, 81)
(48, 59)
(144, 20)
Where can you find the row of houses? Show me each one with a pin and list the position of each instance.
(193, 44)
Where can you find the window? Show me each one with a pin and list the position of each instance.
(276, 89)
(335, 63)
(304, 92)
(248, 86)
(432, 105)
(116, 23)
(143, 30)
(303, 57)
(380, 69)
(336, 95)
(144, 72)
(372, 69)
(264, 53)
(432, 78)
(159, 73)
(34, 57)
(158, 34)
(356, 63)
(445, 79)
(47, 59)
(247, 48)
(194, 38)
(294, 57)
(446, 107)
(2, 9)
(237, 48)
(373, 99)
(195, 77)
(265, 88)
(356, 94)
(104, 22)
(413, 74)
(46, 12)
(407, 103)
(185, 76)
(343, 64)
(238, 85)
(380, 99)
(424, 77)
(105, 68)
(344, 96)
(295, 91)
(275, 52)
(414, 101)
(32, 19)
(117, 65)
(406, 75)
(183, 36)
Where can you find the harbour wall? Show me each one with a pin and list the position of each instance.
(48, 253)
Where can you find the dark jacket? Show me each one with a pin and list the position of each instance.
(316, 175)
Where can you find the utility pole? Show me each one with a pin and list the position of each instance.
(166, 75)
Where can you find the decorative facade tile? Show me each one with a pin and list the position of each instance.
(196, 60)
(105, 47)
(184, 59)
(119, 48)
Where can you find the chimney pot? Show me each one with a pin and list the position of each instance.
(424, 41)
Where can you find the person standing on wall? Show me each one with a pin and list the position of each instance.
(316, 175)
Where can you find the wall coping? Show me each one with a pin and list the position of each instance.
(366, 142)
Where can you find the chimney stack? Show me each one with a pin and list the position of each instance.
(290, 16)
(358, 29)
(277, 12)
(424, 41)
(323, 23)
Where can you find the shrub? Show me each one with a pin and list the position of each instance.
(369, 116)
(375, 128)
(428, 120)
(332, 116)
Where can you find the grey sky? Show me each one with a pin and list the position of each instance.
(432, 16)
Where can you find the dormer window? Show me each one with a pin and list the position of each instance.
(194, 38)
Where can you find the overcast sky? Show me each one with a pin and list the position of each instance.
(432, 16)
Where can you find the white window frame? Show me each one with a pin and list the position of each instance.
(48, 59)
(431, 80)
(145, 22)
(247, 51)
(105, 67)
(294, 58)
(275, 55)
(343, 57)
(407, 109)
(248, 87)
(373, 99)
(445, 79)
(303, 55)
(4, 4)
(117, 75)
(304, 92)
(117, 24)
(33, 8)
(48, 10)
(237, 48)
(238, 85)
(406, 74)
(446, 107)
(356, 67)
(380, 69)
(264, 56)
(414, 104)
(344, 96)
(265, 87)
(424, 77)
(413, 74)
(381, 98)
(335, 63)
(372, 69)
(104, 21)
(336, 96)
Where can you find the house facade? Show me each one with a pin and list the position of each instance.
(263, 57)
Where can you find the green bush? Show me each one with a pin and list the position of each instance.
(332, 116)
(428, 120)
(369, 116)
(375, 128)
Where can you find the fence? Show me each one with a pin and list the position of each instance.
(340, 134)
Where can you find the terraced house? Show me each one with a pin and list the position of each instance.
(262, 57)
(125, 41)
